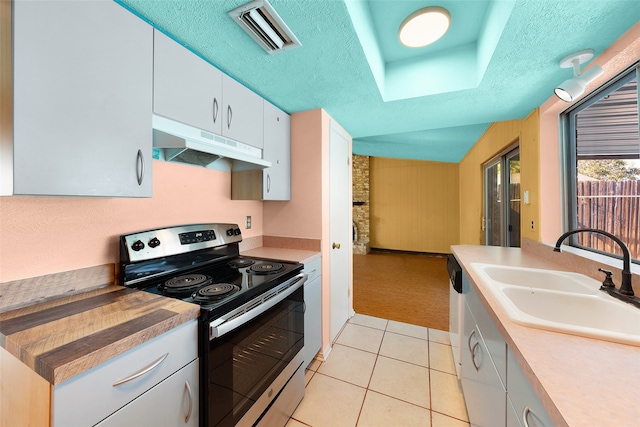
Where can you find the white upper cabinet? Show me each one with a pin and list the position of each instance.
(186, 88)
(242, 113)
(82, 81)
(276, 180)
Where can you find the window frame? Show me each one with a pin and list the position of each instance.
(568, 152)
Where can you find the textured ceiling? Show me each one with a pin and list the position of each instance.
(498, 62)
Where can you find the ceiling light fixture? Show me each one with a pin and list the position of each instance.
(572, 88)
(424, 26)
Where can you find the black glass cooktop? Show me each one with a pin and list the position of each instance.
(219, 286)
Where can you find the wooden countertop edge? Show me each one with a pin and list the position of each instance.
(521, 339)
(83, 364)
(176, 313)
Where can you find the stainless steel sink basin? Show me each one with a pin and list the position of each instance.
(562, 302)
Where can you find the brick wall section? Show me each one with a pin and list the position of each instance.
(360, 165)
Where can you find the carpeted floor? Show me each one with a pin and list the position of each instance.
(406, 287)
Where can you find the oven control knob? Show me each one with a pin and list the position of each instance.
(230, 232)
(137, 245)
(237, 232)
(154, 243)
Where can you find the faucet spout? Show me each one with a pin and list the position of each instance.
(625, 287)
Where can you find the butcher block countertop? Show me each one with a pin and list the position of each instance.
(580, 381)
(67, 336)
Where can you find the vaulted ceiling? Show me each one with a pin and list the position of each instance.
(498, 61)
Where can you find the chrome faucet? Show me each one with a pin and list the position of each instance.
(625, 286)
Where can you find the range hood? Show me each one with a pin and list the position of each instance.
(185, 144)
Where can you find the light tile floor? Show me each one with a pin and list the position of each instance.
(383, 373)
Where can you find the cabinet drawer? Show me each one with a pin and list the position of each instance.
(173, 402)
(525, 401)
(92, 396)
(313, 269)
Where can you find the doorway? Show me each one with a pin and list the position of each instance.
(502, 199)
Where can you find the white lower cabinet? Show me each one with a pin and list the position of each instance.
(484, 392)
(173, 402)
(313, 311)
(527, 408)
(496, 391)
(122, 390)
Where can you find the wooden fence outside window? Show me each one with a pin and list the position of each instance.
(611, 206)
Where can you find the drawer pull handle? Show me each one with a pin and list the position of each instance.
(142, 371)
(472, 350)
(140, 167)
(215, 110)
(188, 387)
(525, 416)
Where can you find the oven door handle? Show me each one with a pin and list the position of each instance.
(223, 326)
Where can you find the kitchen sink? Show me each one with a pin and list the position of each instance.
(562, 302)
(540, 279)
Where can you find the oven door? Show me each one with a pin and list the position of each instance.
(246, 367)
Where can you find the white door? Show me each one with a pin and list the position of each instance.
(340, 228)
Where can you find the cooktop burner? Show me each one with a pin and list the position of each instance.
(241, 262)
(266, 268)
(215, 292)
(186, 283)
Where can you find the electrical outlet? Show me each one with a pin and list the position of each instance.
(248, 222)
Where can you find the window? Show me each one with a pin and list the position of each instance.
(603, 166)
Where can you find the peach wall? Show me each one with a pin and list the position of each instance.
(302, 216)
(616, 58)
(307, 215)
(43, 235)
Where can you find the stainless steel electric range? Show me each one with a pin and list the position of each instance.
(251, 323)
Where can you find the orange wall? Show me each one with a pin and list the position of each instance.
(616, 58)
(420, 195)
(496, 139)
(43, 235)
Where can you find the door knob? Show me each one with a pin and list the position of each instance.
(335, 245)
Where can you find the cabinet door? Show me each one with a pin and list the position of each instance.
(242, 113)
(276, 180)
(512, 416)
(186, 88)
(491, 336)
(525, 402)
(82, 100)
(173, 402)
(484, 393)
(312, 319)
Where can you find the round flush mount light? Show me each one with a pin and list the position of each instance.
(424, 26)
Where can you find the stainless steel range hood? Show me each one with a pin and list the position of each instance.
(185, 144)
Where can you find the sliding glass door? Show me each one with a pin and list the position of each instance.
(502, 200)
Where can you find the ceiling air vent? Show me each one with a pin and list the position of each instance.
(262, 22)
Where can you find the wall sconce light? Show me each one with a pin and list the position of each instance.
(572, 88)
